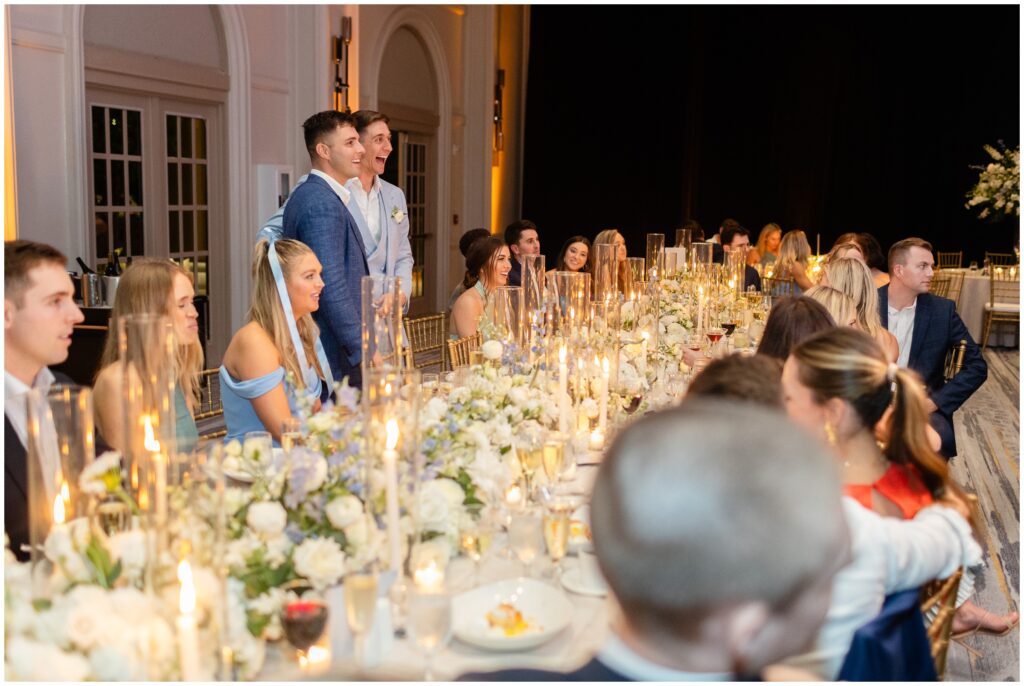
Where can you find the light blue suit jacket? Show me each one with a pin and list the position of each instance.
(392, 255)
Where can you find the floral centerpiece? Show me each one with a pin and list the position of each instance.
(997, 191)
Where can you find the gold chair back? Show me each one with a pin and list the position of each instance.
(941, 595)
(1003, 305)
(776, 285)
(955, 360)
(956, 286)
(940, 286)
(950, 260)
(427, 336)
(458, 351)
(1000, 259)
(210, 406)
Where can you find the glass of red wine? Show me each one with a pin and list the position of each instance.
(729, 327)
(304, 622)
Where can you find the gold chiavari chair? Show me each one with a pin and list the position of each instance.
(955, 360)
(210, 405)
(950, 260)
(427, 336)
(1000, 259)
(458, 351)
(940, 596)
(956, 286)
(775, 285)
(940, 286)
(1003, 306)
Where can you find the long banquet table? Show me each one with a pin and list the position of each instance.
(974, 294)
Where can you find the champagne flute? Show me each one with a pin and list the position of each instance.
(526, 537)
(554, 457)
(557, 513)
(530, 451)
(303, 622)
(474, 541)
(360, 606)
(291, 434)
(429, 625)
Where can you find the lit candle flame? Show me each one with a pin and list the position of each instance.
(561, 355)
(513, 494)
(150, 442)
(315, 656)
(58, 508)
(392, 429)
(187, 595)
(429, 577)
(604, 365)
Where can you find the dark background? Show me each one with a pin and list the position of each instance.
(827, 119)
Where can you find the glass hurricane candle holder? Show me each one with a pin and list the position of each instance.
(567, 302)
(383, 340)
(635, 273)
(700, 255)
(655, 256)
(683, 238)
(605, 272)
(509, 315)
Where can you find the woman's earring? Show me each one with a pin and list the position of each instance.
(830, 432)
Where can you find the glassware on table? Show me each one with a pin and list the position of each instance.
(526, 536)
(429, 624)
(529, 446)
(291, 434)
(557, 513)
(303, 622)
(429, 385)
(360, 606)
(974, 266)
(474, 541)
(714, 334)
(554, 456)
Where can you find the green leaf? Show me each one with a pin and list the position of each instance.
(256, 622)
(41, 604)
(101, 563)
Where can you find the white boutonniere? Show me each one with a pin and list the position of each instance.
(397, 214)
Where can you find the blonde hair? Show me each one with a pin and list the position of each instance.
(766, 232)
(839, 305)
(794, 248)
(607, 237)
(147, 287)
(848, 364)
(853, 277)
(266, 309)
(841, 250)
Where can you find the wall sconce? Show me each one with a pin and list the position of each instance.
(499, 135)
(341, 43)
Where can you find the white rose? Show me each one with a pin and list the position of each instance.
(319, 472)
(89, 608)
(233, 448)
(344, 510)
(320, 422)
(492, 350)
(357, 532)
(518, 395)
(436, 504)
(320, 560)
(110, 663)
(34, 661)
(277, 550)
(131, 604)
(267, 518)
(130, 548)
(434, 411)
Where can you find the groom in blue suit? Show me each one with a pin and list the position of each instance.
(380, 209)
(317, 213)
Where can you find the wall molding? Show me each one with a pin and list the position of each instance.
(270, 84)
(38, 40)
(101, 60)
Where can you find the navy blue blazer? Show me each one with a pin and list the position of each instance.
(595, 670)
(316, 216)
(937, 328)
(893, 646)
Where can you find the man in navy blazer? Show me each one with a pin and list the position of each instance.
(316, 214)
(718, 570)
(926, 328)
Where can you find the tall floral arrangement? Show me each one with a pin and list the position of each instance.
(997, 192)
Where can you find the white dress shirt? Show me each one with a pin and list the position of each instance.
(15, 395)
(618, 657)
(342, 192)
(369, 203)
(901, 325)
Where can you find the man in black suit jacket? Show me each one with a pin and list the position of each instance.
(735, 238)
(718, 570)
(39, 317)
(927, 327)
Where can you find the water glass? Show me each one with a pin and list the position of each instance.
(557, 513)
(429, 625)
(291, 434)
(474, 541)
(526, 537)
(360, 607)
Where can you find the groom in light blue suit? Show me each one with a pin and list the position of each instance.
(379, 207)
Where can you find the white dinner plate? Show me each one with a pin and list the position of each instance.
(545, 609)
(572, 579)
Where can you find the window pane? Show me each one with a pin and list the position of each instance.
(99, 182)
(172, 136)
(200, 184)
(134, 132)
(186, 184)
(201, 238)
(138, 240)
(172, 183)
(120, 233)
(116, 131)
(186, 137)
(102, 235)
(187, 232)
(200, 139)
(116, 182)
(202, 264)
(135, 183)
(99, 130)
(175, 238)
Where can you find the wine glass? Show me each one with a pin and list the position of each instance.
(429, 625)
(525, 535)
(303, 622)
(291, 434)
(557, 512)
(475, 540)
(530, 451)
(360, 607)
(554, 457)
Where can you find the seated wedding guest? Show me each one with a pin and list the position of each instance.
(696, 230)
(726, 224)
(794, 251)
(839, 305)
(161, 287)
(611, 237)
(734, 237)
(767, 249)
(574, 256)
(717, 570)
(262, 371)
(487, 267)
(791, 320)
(39, 317)
(875, 258)
(848, 249)
(749, 378)
(852, 277)
(465, 241)
(839, 386)
(926, 328)
(522, 239)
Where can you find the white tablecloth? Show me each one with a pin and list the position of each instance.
(973, 297)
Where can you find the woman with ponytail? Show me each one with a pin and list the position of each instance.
(262, 370)
(840, 385)
(487, 267)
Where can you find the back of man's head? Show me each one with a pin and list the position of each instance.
(692, 518)
(321, 125)
(467, 239)
(696, 230)
(744, 378)
(20, 258)
(514, 230)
